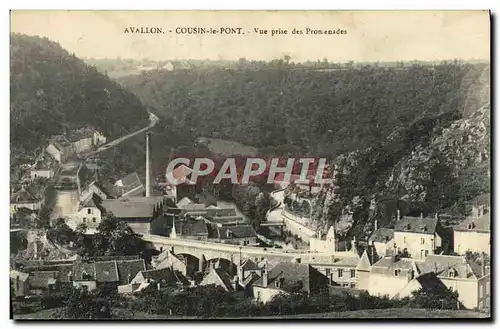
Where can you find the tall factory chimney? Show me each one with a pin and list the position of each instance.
(148, 164)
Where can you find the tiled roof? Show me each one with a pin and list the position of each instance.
(128, 269)
(290, 272)
(106, 271)
(249, 265)
(42, 279)
(132, 207)
(191, 227)
(90, 201)
(425, 225)
(382, 235)
(224, 277)
(387, 265)
(25, 195)
(442, 265)
(475, 224)
(237, 232)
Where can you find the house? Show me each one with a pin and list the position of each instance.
(94, 188)
(339, 271)
(138, 212)
(41, 169)
(390, 275)
(43, 282)
(60, 148)
(28, 197)
(88, 214)
(19, 282)
(397, 277)
(238, 234)
(473, 234)
(220, 278)
(159, 278)
(363, 270)
(287, 277)
(382, 240)
(130, 185)
(108, 274)
(85, 139)
(189, 228)
(471, 281)
(167, 259)
(417, 237)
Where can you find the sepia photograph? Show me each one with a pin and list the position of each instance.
(187, 165)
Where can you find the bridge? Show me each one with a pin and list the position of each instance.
(207, 251)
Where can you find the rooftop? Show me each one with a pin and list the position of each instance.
(132, 207)
(237, 232)
(476, 224)
(382, 235)
(424, 225)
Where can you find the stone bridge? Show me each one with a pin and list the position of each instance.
(205, 251)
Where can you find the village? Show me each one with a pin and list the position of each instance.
(202, 242)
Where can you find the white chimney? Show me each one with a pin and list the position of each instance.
(148, 164)
(398, 216)
(265, 276)
(376, 225)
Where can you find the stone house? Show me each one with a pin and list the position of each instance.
(417, 237)
(473, 234)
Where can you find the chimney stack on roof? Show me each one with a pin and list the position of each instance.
(398, 215)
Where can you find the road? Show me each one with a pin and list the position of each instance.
(153, 121)
(274, 215)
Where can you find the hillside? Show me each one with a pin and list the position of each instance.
(52, 90)
(282, 109)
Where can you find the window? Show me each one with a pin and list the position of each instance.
(89, 211)
(84, 220)
(353, 285)
(258, 295)
(345, 284)
(327, 272)
(451, 273)
(470, 226)
(93, 219)
(340, 272)
(397, 272)
(245, 242)
(422, 240)
(353, 273)
(426, 252)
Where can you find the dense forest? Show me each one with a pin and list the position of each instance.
(52, 90)
(280, 108)
(409, 137)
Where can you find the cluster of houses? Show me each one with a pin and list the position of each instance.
(395, 261)
(27, 182)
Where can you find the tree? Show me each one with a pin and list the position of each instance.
(82, 304)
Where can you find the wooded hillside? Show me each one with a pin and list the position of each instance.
(52, 90)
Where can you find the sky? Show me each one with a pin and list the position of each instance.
(371, 35)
